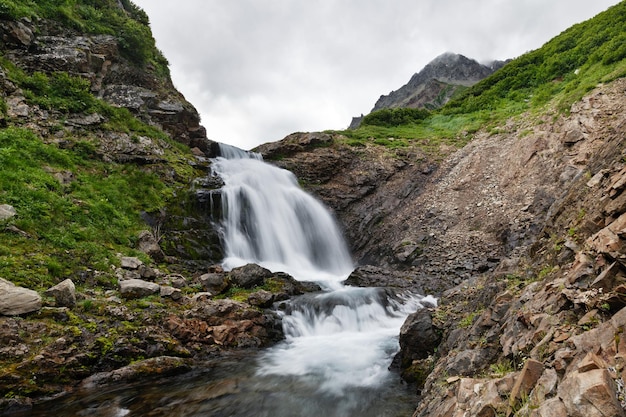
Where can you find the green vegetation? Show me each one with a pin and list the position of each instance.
(557, 74)
(129, 24)
(72, 225)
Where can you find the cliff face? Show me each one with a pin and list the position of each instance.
(519, 232)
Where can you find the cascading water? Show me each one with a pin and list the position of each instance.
(271, 221)
(337, 341)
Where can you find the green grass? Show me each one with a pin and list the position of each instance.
(70, 227)
(129, 24)
(557, 74)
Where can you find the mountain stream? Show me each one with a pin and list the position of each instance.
(339, 342)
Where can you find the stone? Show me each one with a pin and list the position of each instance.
(7, 212)
(171, 292)
(418, 338)
(64, 293)
(545, 387)
(590, 394)
(201, 297)
(609, 277)
(130, 262)
(553, 407)
(214, 282)
(590, 362)
(528, 377)
(16, 300)
(137, 288)
(468, 361)
(373, 276)
(149, 244)
(249, 276)
(261, 298)
(573, 136)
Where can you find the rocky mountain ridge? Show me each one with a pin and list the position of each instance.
(435, 84)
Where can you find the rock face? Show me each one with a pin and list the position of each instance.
(16, 300)
(520, 233)
(433, 86)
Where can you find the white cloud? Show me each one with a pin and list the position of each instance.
(259, 70)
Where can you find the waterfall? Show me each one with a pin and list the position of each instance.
(337, 341)
(269, 220)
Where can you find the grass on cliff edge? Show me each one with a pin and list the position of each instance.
(122, 19)
(68, 226)
(558, 74)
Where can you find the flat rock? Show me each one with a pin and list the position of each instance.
(16, 300)
(137, 288)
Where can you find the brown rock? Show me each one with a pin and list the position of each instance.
(590, 394)
(530, 374)
(149, 245)
(553, 407)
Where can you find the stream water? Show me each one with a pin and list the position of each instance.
(339, 342)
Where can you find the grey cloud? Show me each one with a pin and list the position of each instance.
(259, 70)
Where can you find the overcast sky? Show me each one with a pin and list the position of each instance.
(257, 70)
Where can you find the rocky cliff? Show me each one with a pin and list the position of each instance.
(518, 232)
(435, 84)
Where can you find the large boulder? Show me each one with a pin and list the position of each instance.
(249, 276)
(16, 300)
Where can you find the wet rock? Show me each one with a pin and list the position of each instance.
(64, 293)
(249, 276)
(7, 211)
(16, 300)
(373, 276)
(137, 288)
(160, 366)
(418, 337)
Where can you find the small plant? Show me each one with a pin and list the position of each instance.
(502, 368)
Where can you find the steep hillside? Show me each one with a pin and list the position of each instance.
(508, 204)
(106, 234)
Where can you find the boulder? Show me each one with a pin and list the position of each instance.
(214, 282)
(64, 293)
(7, 211)
(418, 338)
(137, 288)
(130, 262)
(16, 300)
(590, 394)
(249, 276)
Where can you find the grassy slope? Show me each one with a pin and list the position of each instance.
(87, 222)
(557, 74)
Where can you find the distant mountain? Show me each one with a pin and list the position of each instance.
(435, 84)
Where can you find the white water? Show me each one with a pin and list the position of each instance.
(341, 339)
(269, 220)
